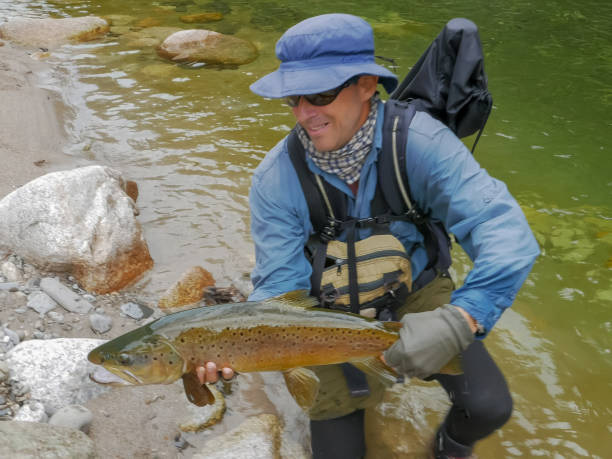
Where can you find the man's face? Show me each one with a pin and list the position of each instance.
(331, 126)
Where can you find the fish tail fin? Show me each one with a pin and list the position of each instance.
(303, 385)
(376, 367)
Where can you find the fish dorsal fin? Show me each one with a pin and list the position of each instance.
(198, 394)
(392, 326)
(303, 385)
(376, 367)
(296, 298)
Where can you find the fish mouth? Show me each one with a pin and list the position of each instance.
(101, 375)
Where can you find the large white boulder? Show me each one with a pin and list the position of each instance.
(79, 221)
(56, 371)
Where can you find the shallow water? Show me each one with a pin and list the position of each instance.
(191, 137)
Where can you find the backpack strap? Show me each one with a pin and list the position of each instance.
(326, 205)
(393, 181)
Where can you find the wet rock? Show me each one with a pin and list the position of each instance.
(151, 36)
(57, 370)
(208, 47)
(29, 440)
(148, 22)
(79, 221)
(65, 297)
(257, 437)
(188, 289)
(201, 18)
(100, 323)
(74, 416)
(32, 412)
(49, 32)
(199, 418)
(41, 302)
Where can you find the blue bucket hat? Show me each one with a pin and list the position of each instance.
(321, 53)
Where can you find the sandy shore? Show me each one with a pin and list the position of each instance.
(32, 136)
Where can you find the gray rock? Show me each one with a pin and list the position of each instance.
(80, 221)
(64, 296)
(4, 371)
(133, 310)
(41, 302)
(11, 272)
(10, 286)
(74, 416)
(57, 370)
(13, 336)
(56, 316)
(100, 323)
(32, 412)
(34, 440)
(256, 438)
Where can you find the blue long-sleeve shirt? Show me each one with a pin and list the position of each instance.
(443, 176)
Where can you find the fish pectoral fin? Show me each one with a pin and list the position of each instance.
(296, 298)
(376, 367)
(303, 385)
(198, 394)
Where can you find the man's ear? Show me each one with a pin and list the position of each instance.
(367, 86)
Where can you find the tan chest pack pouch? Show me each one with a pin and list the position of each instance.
(383, 267)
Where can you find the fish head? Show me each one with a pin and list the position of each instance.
(146, 359)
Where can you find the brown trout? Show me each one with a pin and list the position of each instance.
(280, 334)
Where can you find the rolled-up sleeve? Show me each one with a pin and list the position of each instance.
(479, 210)
(280, 227)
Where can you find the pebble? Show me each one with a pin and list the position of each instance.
(133, 310)
(68, 299)
(41, 302)
(11, 272)
(13, 336)
(10, 286)
(73, 416)
(56, 316)
(100, 323)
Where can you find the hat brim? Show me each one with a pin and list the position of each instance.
(293, 82)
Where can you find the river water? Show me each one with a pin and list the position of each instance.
(192, 135)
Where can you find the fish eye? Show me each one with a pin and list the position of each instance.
(125, 359)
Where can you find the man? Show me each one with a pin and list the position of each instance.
(329, 79)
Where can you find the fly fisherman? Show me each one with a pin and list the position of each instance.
(329, 78)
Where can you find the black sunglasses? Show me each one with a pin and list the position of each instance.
(322, 98)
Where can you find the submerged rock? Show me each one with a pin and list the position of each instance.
(51, 32)
(79, 221)
(208, 47)
(200, 18)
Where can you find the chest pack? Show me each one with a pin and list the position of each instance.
(373, 276)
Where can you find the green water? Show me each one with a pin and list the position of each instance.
(191, 137)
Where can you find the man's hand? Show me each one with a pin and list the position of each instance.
(429, 340)
(209, 373)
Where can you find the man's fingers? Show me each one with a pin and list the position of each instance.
(227, 373)
(211, 372)
(201, 374)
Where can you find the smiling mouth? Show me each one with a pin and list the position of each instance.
(313, 129)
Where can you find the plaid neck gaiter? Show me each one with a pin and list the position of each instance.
(346, 162)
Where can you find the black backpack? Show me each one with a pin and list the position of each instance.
(450, 84)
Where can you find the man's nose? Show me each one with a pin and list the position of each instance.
(304, 109)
